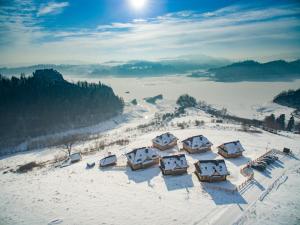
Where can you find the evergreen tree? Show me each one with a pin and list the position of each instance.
(186, 100)
(280, 121)
(270, 121)
(291, 124)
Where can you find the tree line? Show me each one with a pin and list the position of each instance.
(279, 123)
(45, 103)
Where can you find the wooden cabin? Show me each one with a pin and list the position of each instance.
(211, 170)
(173, 164)
(110, 160)
(142, 158)
(164, 141)
(231, 149)
(196, 144)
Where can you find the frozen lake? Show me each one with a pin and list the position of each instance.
(240, 98)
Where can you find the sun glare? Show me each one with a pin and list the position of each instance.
(138, 4)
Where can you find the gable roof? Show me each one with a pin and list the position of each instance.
(141, 155)
(211, 168)
(164, 139)
(232, 147)
(198, 141)
(173, 162)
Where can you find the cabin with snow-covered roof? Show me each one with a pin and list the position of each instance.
(142, 158)
(110, 160)
(164, 141)
(196, 144)
(75, 157)
(173, 164)
(211, 170)
(231, 149)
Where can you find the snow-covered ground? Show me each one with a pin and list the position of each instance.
(117, 195)
(247, 99)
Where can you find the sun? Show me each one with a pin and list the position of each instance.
(138, 4)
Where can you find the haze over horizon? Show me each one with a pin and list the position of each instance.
(42, 32)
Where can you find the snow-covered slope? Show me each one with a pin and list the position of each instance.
(117, 195)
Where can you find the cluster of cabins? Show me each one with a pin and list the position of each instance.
(206, 170)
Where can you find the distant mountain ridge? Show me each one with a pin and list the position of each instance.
(130, 68)
(250, 70)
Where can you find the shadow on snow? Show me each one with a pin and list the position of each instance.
(221, 197)
(178, 182)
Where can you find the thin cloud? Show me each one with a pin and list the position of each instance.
(52, 8)
(232, 32)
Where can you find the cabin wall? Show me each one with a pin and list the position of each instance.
(141, 165)
(164, 147)
(195, 150)
(174, 172)
(226, 155)
(210, 179)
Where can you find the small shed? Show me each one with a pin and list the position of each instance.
(231, 149)
(142, 158)
(75, 157)
(173, 164)
(211, 170)
(110, 160)
(164, 141)
(196, 144)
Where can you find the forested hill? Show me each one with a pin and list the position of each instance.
(45, 103)
(278, 70)
(289, 98)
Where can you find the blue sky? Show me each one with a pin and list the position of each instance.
(95, 31)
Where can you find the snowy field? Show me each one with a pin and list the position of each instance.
(117, 195)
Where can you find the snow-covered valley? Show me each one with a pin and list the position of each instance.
(118, 195)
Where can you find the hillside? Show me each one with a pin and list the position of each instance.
(46, 103)
(289, 98)
(254, 71)
(76, 195)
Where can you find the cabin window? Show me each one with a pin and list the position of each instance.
(146, 150)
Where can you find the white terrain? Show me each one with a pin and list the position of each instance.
(117, 195)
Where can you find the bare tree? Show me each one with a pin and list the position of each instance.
(68, 143)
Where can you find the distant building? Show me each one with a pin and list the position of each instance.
(164, 141)
(75, 157)
(196, 144)
(211, 170)
(108, 161)
(142, 158)
(173, 164)
(232, 149)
